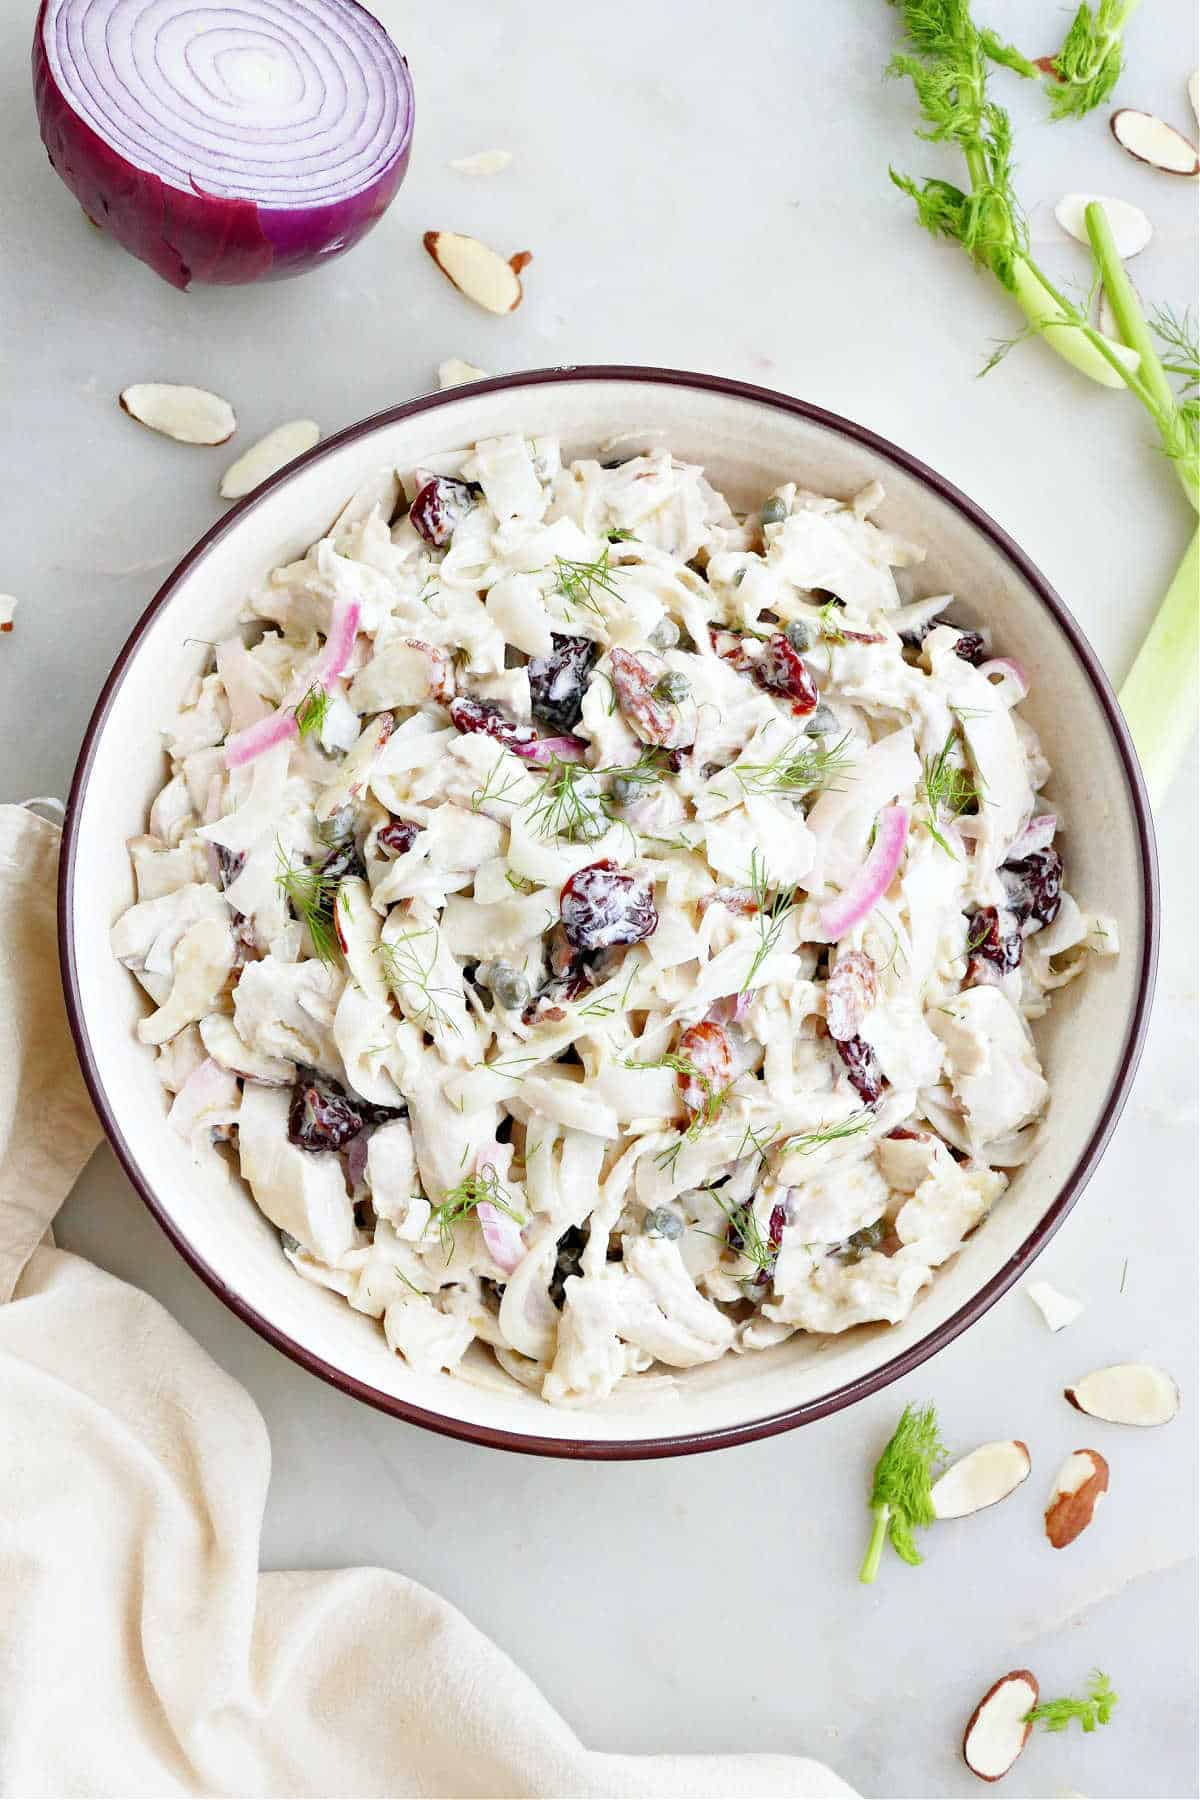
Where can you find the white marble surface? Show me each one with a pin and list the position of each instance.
(713, 196)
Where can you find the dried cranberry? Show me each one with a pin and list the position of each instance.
(321, 1116)
(862, 1070)
(486, 716)
(439, 506)
(849, 993)
(557, 682)
(396, 838)
(343, 861)
(602, 906)
(230, 864)
(1033, 885)
(708, 1054)
(985, 938)
(782, 670)
(972, 647)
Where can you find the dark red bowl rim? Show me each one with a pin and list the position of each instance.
(898, 1366)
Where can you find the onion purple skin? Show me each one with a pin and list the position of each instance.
(199, 237)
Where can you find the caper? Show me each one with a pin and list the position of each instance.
(773, 511)
(799, 635)
(665, 635)
(337, 829)
(674, 686)
(625, 789)
(662, 1222)
(509, 987)
(821, 722)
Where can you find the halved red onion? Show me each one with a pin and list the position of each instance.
(224, 142)
(502, 1235)
(1007, 677)
(872, 881)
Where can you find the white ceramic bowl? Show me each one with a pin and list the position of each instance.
(747, 439)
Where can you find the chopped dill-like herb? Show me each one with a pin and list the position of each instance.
(410, 978)
(460, 1202)
(312, 894)
(579, 582)
(312, 711)
(714, 1098)
(1096, 1708)
(504, 784)
(800, 767)
(769, 917)
(948, 786)
(803, 1143)
(568, 804)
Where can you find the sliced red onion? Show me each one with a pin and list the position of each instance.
(873, 879)
(541, 752)
(339, 645)
(224, 142)
(502, 1235)
(1013, 683)
(356, 1157)
(245, 746)
(1037, 835)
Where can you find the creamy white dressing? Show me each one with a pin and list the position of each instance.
(605, 1123)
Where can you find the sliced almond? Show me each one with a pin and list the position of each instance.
(1127, 1394)
(1130, 227)
(268, 456)
(478, 271)
(1075, 1496)
(484, 162)
(1155, 142)
(1194, 92)
(980, 1479)
(8, 607)
(1057, 1309)
(454, 372)
(190, 415)
(999, 1727)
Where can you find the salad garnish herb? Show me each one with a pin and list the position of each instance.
(803, 1143)
(800, 767)
(578, 582)
(403, 968)
(312, 895)
(505, 783)
(946, 784)
(755, 1246)
(312, 711)
(460, 1202)
(714, 1098)
(901, 1493)
(568, 805)
(1096, 1707)
(769, 917)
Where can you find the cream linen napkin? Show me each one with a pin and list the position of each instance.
(141, 1652)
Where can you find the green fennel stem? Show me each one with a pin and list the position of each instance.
(1151, 387)
(870, 1567)
(1160, 696)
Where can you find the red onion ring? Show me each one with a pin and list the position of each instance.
(224, 143)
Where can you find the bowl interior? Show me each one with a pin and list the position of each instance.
(747, 442)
